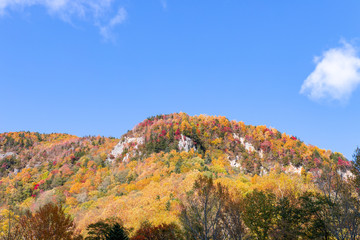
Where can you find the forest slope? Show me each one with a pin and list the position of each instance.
(144, 175)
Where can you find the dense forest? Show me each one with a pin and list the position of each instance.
(176, 177)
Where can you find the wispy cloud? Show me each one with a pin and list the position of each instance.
(106, 30)
(336, 75)
(105, 14)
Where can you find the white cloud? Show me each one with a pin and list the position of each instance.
(336, 75)
(100, 12)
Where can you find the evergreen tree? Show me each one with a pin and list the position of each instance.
(108, 229)
(356, 168)
(117, 232)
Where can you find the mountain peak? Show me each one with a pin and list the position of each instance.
(252, 148)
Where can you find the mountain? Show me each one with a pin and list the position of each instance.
(145, 174)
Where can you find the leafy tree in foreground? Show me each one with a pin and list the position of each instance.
(288, 220)
(161, 232)
(259, 214)
(50, 222)
(201, 214)
(341, 213)
(313, 219)
(232, 219)
(9, 227)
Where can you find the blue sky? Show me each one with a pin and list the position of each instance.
(100, 67)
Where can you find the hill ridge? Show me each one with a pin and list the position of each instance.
(146, 171)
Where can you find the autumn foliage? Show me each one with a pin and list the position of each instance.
(150, 180)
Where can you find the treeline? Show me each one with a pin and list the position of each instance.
(50, 222)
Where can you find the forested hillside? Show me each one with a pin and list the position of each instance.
(147, 176)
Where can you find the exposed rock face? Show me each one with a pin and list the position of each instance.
(234, 162)
(185, 144)
(293, 169)
(263, 171)
(126, 143)
(248, 146)
(346, 174)
(7, 154)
